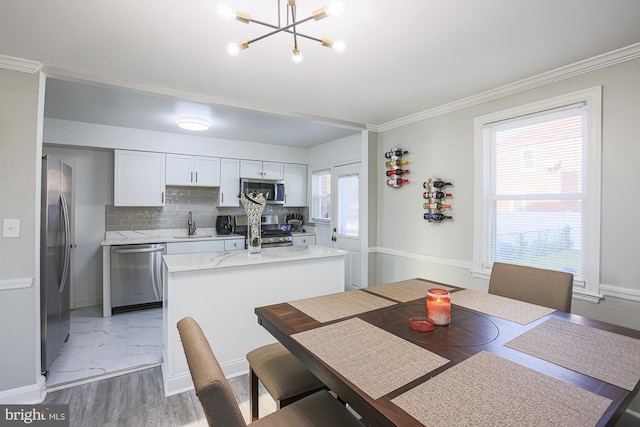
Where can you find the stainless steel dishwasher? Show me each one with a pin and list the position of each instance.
(136, 276)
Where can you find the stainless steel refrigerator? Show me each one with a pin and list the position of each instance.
(56, 243)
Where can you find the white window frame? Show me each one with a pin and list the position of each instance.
(593, 98)
(314, 197)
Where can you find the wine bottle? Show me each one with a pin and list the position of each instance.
(437, 184)
(436, 195)
(440, 183)
(396, 182)
(436, 217)
(397, 172)
(395, 152)
(439, 206)
(393, 163)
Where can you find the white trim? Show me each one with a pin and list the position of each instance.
(620, 292)
(586, 296)
(33, 393)
(421, 257)
(618, 56)
(20, 283)
(18, 64)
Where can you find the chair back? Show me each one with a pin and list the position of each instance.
(212, 388)
(549, 288)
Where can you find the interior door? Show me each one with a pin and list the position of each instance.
(346, 219)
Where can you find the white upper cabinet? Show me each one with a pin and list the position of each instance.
(229, 182)
(295, 185)
(139, 178)
(193, 171)
(261, 170)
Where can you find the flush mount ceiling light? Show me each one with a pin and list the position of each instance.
(192, 123)
(290, 27)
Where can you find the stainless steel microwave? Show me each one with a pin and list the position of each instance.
(273, 190)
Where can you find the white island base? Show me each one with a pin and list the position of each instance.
(221, 290)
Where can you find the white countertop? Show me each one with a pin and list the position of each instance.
(209, 260)
(135, 237)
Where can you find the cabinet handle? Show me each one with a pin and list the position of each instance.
(196, 176)
(191, 176)
(163, 197)
(222, 196)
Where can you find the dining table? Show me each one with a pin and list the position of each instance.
(498, 361)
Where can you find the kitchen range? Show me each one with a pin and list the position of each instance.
(273, 233)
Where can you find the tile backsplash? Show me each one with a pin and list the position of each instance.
(201, 201)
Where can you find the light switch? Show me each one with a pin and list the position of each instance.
(11, 228)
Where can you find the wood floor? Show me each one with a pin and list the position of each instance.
(137, 399)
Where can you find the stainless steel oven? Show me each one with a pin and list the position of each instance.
(272, 232)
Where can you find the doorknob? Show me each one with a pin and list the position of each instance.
(334, 229)
(334, 238)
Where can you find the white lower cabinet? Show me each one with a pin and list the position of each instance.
(193, 247)
(234, 244)
(304, 240)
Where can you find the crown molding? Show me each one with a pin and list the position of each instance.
(18, 64)
(581, 67)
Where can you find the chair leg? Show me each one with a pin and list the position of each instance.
(253, 394)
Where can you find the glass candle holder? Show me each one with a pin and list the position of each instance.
(439, 306)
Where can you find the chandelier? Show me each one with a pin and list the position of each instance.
(290, 27)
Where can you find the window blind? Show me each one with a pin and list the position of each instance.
(536, 199)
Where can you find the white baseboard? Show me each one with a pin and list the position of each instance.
(180, 383)
(34, 393)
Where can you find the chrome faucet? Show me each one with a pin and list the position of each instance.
(192, 225)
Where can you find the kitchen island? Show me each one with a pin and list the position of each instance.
(221, 290)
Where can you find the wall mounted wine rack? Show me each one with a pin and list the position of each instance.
(395, 164)
(435, 203)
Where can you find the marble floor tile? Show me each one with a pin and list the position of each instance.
(103, 345)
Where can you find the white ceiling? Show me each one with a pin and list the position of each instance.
(402, 58)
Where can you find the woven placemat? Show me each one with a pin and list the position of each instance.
(337, 306)
(603, 355)
(406, 290)
(488, 390)
(376, 361)
(504, 308)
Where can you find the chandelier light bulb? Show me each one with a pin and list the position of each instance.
(339, 46)
(233, 49)
(226, 13)
(296, 55)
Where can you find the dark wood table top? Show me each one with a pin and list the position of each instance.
(469, 333)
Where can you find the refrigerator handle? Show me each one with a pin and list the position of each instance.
(67, 243)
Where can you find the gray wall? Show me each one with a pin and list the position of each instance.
(442, 146)
(20, 178)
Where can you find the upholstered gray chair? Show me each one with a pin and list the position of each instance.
(284, 377)
(220, 406)
(549, 288)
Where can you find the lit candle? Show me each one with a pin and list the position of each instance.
(439, 306)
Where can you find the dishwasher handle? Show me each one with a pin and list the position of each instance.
(138, 250)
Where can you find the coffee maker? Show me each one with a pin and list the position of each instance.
(224, 224)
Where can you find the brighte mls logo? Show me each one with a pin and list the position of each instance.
(36, 415)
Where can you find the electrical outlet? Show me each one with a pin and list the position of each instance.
(11, 228)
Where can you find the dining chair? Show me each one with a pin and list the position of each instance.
(548, 288)
(282, 374)
(220, 406)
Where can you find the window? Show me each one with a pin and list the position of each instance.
(321, 196)
(538, 187)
